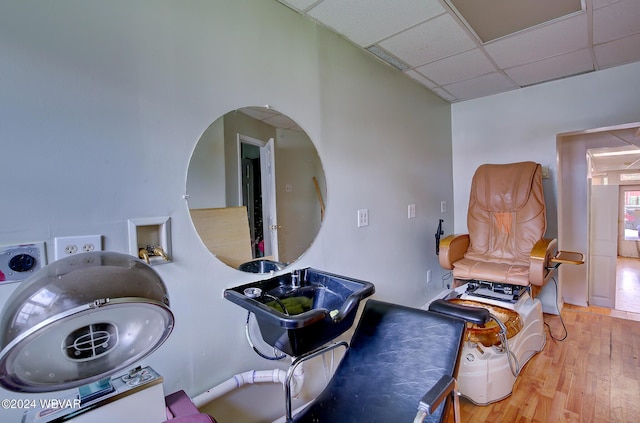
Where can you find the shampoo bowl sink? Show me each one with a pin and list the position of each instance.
(300, 311)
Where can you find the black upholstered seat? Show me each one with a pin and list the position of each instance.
(396, 355)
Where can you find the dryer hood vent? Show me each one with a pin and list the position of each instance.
(81, 319)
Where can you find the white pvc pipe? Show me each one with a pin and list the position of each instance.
(250, 377)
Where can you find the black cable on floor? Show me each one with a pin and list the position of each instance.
(566, 333)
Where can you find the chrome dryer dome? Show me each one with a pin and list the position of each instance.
(80, 319)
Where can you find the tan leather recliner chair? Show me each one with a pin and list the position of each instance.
(506, 222)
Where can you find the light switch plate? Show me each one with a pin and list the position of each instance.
(363, 218)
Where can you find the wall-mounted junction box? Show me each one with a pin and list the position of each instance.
(18, 262)
(150, 239)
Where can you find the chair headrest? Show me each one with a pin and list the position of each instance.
(503, 187)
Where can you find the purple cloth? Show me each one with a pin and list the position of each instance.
(184, 411)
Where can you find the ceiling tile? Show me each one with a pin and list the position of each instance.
(479, 87)
(460, 67)
(618, 52)
(546, 41)
(432, 47)
(616, 20)
(444, 95)
(368, 21)
(299, 5)
(552, 68)
(421, 79)
(600, 3)
(493, 19)
(437, 38)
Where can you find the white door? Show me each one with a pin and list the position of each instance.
(629, 218)
(603, 248)
(270, 216)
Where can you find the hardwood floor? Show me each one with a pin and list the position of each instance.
(628, 284)
(591, 376)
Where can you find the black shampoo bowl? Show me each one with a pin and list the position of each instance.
(300, 311)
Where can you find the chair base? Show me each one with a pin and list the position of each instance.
(486, 374)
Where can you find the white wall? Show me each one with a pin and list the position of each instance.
(523, 124)
(102, 103)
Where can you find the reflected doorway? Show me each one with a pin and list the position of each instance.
(256, 191)
(252, 195)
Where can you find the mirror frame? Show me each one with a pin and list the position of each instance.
(218, 211)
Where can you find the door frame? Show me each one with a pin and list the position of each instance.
(268, 197)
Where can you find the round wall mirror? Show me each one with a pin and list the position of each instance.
(256, 189)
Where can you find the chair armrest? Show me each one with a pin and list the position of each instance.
(540, 268)
(452, 249)
(475, 315)
(432, 399)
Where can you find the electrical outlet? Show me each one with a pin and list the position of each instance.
(443, 206)
(363, 218)
(18, 262)
(64, 246)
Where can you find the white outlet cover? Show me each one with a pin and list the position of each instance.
(64, 246)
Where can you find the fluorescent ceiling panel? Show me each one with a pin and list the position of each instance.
(493, 19)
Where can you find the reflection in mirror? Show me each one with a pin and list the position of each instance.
(256, 188)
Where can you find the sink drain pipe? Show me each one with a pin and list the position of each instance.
(251, 377)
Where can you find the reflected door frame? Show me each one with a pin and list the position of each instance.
(268, 194)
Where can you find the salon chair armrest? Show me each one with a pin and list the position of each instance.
(540, 267)
(452, 249)
(432, 399)
(475, 315)
(438, 392)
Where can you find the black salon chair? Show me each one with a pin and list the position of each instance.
(400, 367)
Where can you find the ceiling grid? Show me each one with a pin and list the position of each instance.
(433, 43)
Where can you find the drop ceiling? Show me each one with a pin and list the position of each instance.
(624, 157)
(461, 53)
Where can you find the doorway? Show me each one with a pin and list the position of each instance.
(576, 217)
(628, 263)
(628, 245)
(256, 191)
(614, 244)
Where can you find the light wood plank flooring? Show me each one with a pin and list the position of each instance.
(591, 376)
(628, 284)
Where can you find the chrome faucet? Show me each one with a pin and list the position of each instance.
(295, 278)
